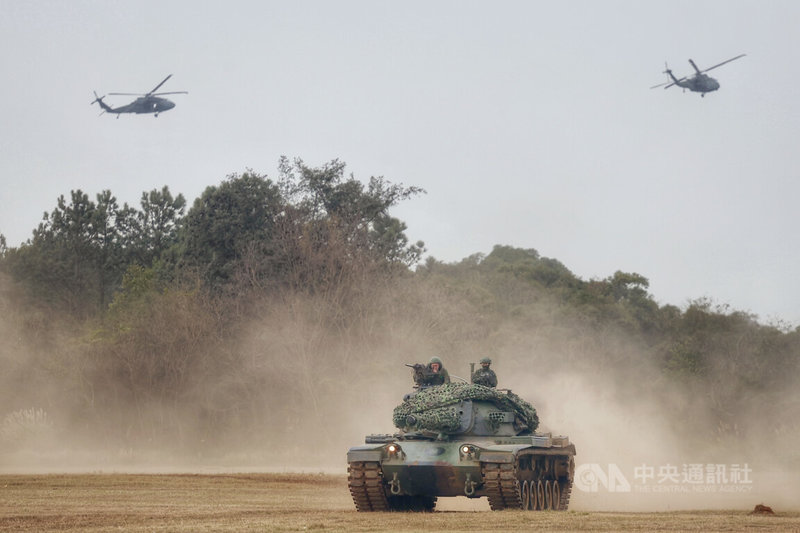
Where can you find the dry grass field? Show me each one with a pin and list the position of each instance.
(293, 502)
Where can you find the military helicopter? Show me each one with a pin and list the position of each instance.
(699, 83)
(146, 103)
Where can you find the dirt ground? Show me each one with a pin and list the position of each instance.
(296, 502)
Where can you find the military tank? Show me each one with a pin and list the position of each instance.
(462, 439)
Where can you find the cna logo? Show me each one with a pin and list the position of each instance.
(589, 477)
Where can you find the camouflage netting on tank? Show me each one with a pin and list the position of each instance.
(434, 407)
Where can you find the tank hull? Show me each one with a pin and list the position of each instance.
(433, 469)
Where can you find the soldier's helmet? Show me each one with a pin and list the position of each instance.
(435, 360)
(486, 360)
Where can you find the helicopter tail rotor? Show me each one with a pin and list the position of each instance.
(99, 101)
(670, 78)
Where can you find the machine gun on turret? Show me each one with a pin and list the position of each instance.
(419, 373)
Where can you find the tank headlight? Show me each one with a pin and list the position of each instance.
(467, 451)
(394, 450)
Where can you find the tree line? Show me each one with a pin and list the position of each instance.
(249, 229)
(276, 307)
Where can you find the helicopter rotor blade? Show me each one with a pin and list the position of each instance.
(159, 85)
(720, 64)
(666, 85)
(151, 93)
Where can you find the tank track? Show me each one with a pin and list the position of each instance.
(365, 481)
(525, 485)
(501, 485)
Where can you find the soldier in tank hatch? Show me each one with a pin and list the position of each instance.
(434, 373)
(484, 375)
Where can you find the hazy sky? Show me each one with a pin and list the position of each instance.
(528, 123)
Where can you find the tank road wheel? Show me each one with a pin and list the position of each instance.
(533, 500)
(525, 496)
(556, 499)
(540, 501)
(548, 495)
(365, 481)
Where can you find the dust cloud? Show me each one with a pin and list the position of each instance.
(305, 377)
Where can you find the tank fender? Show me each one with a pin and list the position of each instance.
(502, 453)
(368, 452)
(507, 453)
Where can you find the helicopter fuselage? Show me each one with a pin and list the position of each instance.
(145, 104)
(700, 83)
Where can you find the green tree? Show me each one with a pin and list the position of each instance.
(155, 228)
(76, 256)
(229, 222)
(342, 213)
(530, 266)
